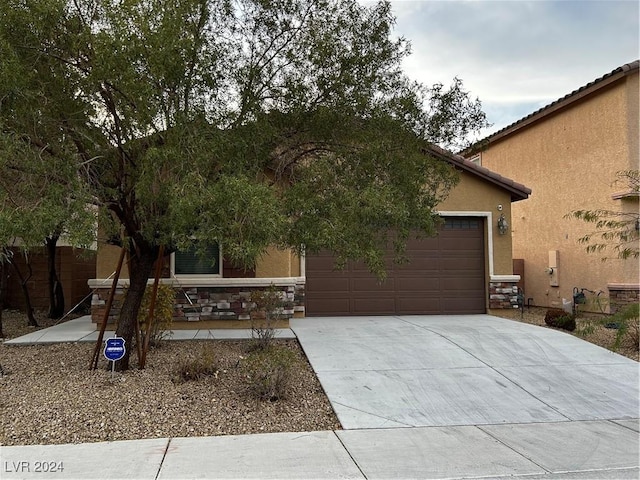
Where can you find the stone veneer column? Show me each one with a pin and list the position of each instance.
(503, 295)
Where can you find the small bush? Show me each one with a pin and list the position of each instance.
(634, 334)
(587, 328)
(268, 304)
(268, 372)
(162, 314)
(628, 320)
(199, 367)
(560, 319)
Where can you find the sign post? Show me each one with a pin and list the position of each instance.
(114, 350)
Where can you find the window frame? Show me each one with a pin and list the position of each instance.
(198, 275)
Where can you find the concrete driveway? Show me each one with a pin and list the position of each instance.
(475, 396)
(415, 371)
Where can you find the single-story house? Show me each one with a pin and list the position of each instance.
(466, 269)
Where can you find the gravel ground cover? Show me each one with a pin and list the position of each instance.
(589, 327)
(48, 395)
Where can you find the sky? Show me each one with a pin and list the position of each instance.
(517, 56)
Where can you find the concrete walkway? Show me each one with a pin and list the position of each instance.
(419, 397)
(82, 329)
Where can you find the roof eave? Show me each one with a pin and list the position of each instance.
(577, 95)
(518, 191)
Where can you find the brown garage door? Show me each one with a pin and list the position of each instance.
(445, 274)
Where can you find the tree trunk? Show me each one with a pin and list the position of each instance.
(31, 319)
(3, 289)
(140, 267)
(56, 293)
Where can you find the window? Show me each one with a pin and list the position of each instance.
(194, 262)
(477, 159)
(461, 223)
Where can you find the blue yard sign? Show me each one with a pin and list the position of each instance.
(114, 348)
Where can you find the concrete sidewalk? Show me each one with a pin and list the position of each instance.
(589, 450)
(419, 397)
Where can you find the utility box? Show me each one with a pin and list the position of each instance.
(552, 270)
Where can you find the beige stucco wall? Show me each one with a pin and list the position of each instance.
(278, 263)
(569, 160)
(107, 261)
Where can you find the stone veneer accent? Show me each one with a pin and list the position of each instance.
(503, 295)
(622, 295)
(194, 304)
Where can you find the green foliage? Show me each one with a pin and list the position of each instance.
(625, 323)
(247, 123)
(628, 320)
(560, 319)
(162, 313)
(268, 307)
(268, 372)
(200, 366)
(586, 327)
(313, 93)
(616, 229)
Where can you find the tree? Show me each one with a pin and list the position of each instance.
(41, 195)
(247, 123)
(614, 229)
(39, 201)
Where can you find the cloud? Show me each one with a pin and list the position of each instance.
(511, 53)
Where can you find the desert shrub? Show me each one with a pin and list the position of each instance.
(268, 304)
(560, 319)
(162, 314)
(200, 366)
(634, 334)
(586, 328)
(268, 372)
(628, 320)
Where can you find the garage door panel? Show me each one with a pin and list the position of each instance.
(419, 262)
(371, 284)
(461, 305)
(319, 262)
(328, 284)
(446, 274)
(456, 264)
(417, 284)
(329, 306)
(372, 306)
(422, 305)
(361, 267)
(456, 284)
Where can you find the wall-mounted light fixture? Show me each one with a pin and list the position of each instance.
(503, 225)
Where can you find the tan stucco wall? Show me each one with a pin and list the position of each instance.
(569, 160)
(107, 261)
(278, 263)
